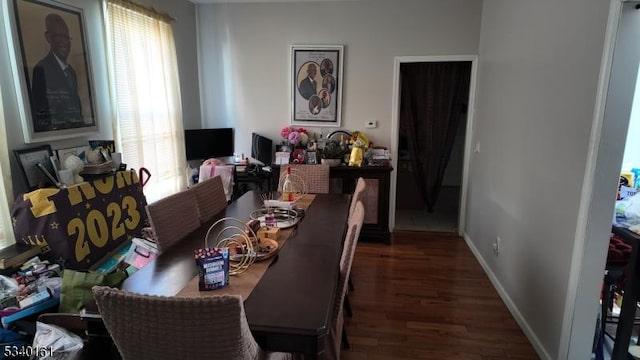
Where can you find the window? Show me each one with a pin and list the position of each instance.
(145, 86)
(6, 226)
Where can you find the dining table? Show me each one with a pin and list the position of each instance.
(290, 308)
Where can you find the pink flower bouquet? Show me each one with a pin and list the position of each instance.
(294, 136)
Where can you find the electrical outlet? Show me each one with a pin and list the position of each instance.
(496, 246)
(371, 124)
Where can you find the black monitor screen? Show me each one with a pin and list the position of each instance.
(261, 148)
(202, 144)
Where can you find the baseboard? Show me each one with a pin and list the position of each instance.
(528, 332)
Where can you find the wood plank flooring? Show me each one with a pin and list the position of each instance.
(427, 297)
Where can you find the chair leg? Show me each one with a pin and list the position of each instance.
(345, 340)
(351, 288)
(347, 306)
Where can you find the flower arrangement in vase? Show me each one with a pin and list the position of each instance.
(296, 137)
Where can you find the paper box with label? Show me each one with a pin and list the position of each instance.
(213, 268)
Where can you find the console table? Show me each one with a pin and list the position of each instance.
(375, 199)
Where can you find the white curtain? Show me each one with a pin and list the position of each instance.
(145, 84)
(6, 191)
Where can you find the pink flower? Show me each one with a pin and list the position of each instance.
(286, 131)
(294, 138)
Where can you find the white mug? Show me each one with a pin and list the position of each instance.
(116, 157)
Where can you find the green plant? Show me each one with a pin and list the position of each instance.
(332, 150)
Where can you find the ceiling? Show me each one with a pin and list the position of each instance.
(259, 1)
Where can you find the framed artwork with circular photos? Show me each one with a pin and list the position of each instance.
(316, 85)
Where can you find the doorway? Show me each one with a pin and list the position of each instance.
(441, 210)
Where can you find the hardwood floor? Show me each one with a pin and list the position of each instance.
(427, 297)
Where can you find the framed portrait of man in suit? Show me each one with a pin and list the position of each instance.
(316, 85)
(51, 62)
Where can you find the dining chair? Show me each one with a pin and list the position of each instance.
(173, 217)
(361, 186)
(338, 336)
(149, 327)
(210, 198)
(227, 173)
(315, 177)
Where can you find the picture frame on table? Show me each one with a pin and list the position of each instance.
(284, 148)
(31, 162)
(316, 85)
(312, 158)
(109, 145)
(51, 64)
(79, 151)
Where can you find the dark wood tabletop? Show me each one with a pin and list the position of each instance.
(290, 308)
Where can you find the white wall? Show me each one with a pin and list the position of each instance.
(245, 51)
(538, 74)
(185, 34)
(631, 25)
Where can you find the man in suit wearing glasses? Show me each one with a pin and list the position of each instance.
(308, 86)
(54, 92)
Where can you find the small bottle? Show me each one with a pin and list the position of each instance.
(288, 192)
(270, 218)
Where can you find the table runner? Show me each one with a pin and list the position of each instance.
(244, 283)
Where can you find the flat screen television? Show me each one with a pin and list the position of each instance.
(261, 149)
(202, 144)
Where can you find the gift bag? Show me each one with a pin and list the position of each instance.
(224, 171)
(76, 287)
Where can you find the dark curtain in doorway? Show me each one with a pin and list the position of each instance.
(434, 97)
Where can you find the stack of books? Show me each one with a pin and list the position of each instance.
(104, 168)
(15, 255)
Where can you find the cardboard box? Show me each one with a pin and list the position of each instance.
(269, 233)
